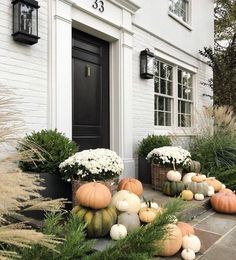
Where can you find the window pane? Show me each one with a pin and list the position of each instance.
(169, 73)
(179, 8)
(155, 102)
(185, 92)
(156, 83)
(163, 70)
(161, 118)
(180, 91)
(161, 103)
(169, 88)
(168, 119)
(155, 118)
(187, 108)
(167, 104)
(163, 86)
(156, 67)
(179, 76)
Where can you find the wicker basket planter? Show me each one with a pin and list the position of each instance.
(111, 184)
(158, 173)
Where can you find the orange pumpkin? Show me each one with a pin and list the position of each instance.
(199, 178)
(217, 185)
(172, 244)
(93, 195)
(148, 215)
(132, 185)
(224, 202)
(185, 228)
(226, 191)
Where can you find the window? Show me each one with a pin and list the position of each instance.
(163, 85)
(180, 8)
(184, 98)
(172, 85)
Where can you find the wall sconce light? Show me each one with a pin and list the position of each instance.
(146, 64)
(25, 21)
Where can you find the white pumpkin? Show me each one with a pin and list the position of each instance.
(130, 220)
(153, 205)
(118, 232)
(223, 187)
(199, 196)
(188, 177)
(191, 242)
(188, 254)
(211, 191)
(132, 199)
(122, 205)
(173, 175)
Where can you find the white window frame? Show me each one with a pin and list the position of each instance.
(174, 116)
(188, 23)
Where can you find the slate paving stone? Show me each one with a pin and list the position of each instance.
(207, 239)
(219, 252)
(230, 240)
(217, 224)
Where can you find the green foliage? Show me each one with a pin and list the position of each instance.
(55, 148)
(213, 151)
(222, 59)
(74, 245)
(152, 141)
(139, 243)
(228, 177)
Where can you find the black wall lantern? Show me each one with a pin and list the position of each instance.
(25, 21)
(146, 64)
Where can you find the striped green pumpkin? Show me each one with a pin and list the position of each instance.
(99, 222)
(173, 188)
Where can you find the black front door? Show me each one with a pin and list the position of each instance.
(90, 65)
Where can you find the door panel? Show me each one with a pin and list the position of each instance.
(90, 91)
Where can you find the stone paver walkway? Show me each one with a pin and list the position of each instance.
(217, 232)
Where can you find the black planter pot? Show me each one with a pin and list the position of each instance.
(144, 170)
(55, 188)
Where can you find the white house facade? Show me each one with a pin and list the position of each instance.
(83, 75)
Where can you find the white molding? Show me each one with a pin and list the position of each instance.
(126, 4)
(177, 19)
(66, 14)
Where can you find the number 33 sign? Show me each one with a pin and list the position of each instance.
(98, 4)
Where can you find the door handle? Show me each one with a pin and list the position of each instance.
(87, 71)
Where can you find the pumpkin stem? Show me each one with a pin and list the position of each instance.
(174, 166)
(145, 200)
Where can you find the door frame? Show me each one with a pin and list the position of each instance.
(65, 14)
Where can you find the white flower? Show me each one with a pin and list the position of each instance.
(94, 162)
(169, 154)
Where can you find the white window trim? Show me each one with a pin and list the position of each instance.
(175, 129)
(188, 24)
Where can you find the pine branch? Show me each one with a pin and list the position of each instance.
(139, 243)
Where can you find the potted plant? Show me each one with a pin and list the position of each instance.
(54, 148)
(145, 147)
(101, 165)
(164, 159)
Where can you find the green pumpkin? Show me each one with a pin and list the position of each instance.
(99, 222)
(173, 188)
(198, 187)
(194, 166)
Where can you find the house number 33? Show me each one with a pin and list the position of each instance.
(99, 5)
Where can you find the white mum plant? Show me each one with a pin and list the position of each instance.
(93, 164)
(169, 156)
